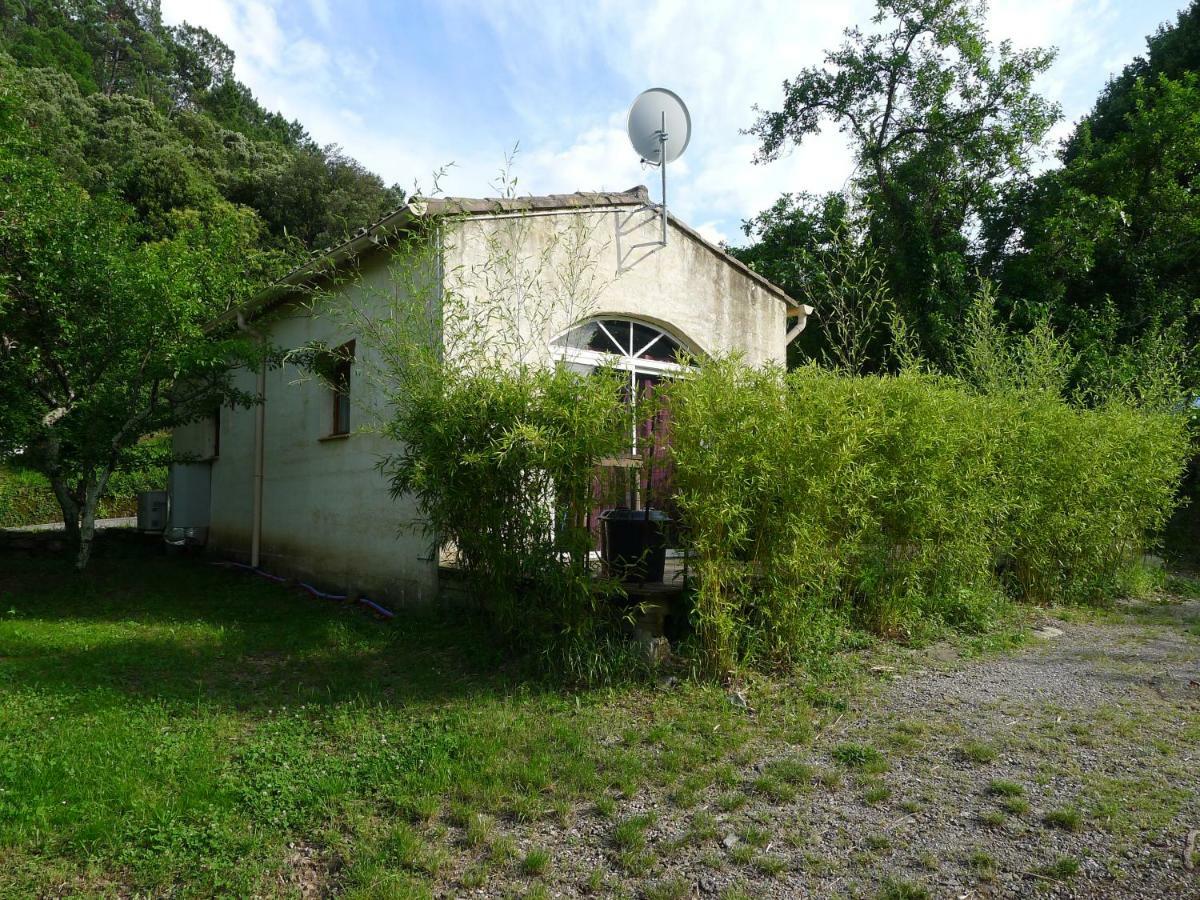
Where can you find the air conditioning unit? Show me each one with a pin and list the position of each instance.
(189, 485)
(152, 511)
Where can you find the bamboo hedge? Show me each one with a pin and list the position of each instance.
(812, 499)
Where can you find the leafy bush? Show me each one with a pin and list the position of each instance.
(26, 497)
(814, 499)
(498, 449)
(500, 462)
(1082, 491)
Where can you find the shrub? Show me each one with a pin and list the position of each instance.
(1083, 489)
(26, 497)
(498, 448)
(500, 462)
(814, 499)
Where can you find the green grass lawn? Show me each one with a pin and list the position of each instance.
(171, 726)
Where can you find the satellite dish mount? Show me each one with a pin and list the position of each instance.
(660, 129)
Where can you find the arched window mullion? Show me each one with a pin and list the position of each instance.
(645, 344)
(658, 337)
(615, 342)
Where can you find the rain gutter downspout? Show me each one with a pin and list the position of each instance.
(260, 423)
(794, 332)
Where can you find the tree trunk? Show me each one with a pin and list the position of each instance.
(70, 509)
(92, 489)
(87, 531)
(50, 450)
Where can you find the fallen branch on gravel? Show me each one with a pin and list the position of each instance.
(1044, 877)
(1189, 850)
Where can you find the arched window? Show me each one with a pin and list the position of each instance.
(623, 343)
(645, 351)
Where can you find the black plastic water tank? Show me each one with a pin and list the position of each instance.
(633, 543)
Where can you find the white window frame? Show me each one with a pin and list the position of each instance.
(625, 362)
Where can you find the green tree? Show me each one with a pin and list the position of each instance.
(154, 115)
(938, 118)
(1173, 50)
(1105, 245)
(102, 333)
(784, 238)
(819, 251)
(201, 62)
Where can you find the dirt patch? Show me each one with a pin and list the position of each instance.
(1066, 769)
(308, 873)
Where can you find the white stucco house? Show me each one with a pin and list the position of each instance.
(292, 484)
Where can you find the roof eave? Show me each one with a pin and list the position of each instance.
(319, 263)
(419, 207)
(795, 308)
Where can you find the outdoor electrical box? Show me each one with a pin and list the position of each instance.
(190, 485)
(152, 511)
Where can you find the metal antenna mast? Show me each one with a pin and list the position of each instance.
(662, 165)
(656, 114)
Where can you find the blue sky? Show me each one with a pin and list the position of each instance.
(409, 87)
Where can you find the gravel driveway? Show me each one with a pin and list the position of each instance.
(1067, 768)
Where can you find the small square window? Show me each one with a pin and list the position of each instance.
(343, 363)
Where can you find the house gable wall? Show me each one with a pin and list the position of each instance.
(685, 288)
(328, 516)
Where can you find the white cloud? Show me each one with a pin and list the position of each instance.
(711, 233)
(564, 74)
(598, 159)
(720, 57)
(322, 12)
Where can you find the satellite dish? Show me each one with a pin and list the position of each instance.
(659, 126)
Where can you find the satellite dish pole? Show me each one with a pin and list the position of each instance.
(662, 168)
(655, 116)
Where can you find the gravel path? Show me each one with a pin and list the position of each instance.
(1065, 769)
(120, 522)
